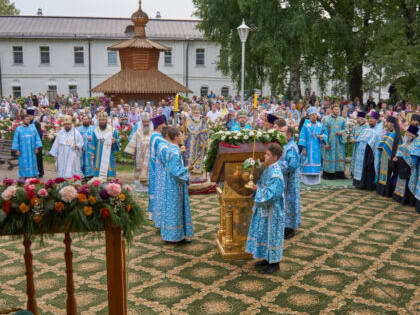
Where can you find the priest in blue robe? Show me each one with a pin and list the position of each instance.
(406, 169)
(242, 121)
(266, 231)
(312, 138)
(86, 130)
(366, 155)
(159, 123)
(415, 184)
(176, 221)
(361, 124)
(290, 162)
(387, 149)
(26, 143)
(334, 163)
(105, 142)
(66, 150)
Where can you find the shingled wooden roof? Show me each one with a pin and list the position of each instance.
(130, 81)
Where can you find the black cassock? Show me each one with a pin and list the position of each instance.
(404, 172)
(368, 175)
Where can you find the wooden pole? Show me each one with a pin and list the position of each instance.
(30, 287)
(68, 256)
(115, 272)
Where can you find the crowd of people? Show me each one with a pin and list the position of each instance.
(169, 148)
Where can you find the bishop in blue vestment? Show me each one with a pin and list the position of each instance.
(312, 137)
(26, 142)
(415, 185)
(361, 124)
(266, 231)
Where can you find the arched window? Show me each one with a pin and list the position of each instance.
(204, 91)
(225, 91)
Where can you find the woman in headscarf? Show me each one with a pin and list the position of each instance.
(387, 150)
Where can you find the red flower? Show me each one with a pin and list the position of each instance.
(7, 206)
(59, 180)
(34, 181)
(105, 213)
(77, 177)
(31, 194)
(96, 183)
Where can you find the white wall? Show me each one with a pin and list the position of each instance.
(62, 71)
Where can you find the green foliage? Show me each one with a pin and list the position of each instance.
(7, 8)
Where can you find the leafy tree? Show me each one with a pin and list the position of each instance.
(7, 8)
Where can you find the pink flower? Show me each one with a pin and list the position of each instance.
(43, 192)
(29, 187)
(9, 192)
(96, 183)
(34, 181)
(128, 188)
(77, 177)
(113, 190)
(68, 193)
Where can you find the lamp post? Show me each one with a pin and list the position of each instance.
(243, 32)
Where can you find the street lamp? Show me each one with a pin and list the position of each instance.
(243, 32)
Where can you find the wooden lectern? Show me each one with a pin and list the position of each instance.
(235, 200)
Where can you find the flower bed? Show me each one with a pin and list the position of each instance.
(33, 207)
(238, 137)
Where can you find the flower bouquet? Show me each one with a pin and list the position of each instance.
(256, 167)
(32, 207)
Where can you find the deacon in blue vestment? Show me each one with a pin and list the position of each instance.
(86, 130)
(415, 185)
(290, 163)
(361, 124)
(159, 123)
(105, 142)
(312, 137)
(406, 169)
(334, 163)
(67, 149)
(26, 143)
(266, 231)
(387, 149)
(176, 222)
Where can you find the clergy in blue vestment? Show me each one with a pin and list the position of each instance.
(415, 184)
(26, 143)
(67, 149)
(159, 123)
(312, 137)
(266, 231)
(361, 124)
(176, 221)
(290, 163)
(86, 130)
(334, 163)
(406, 169)
(387, 149)
(241, 123)
(105, 142)
(366, 155)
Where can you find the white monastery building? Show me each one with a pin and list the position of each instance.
(62, 55)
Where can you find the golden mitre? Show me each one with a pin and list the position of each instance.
(103, 115)
(67, 119)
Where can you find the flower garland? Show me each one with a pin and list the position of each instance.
(33, 207)
(240, 137)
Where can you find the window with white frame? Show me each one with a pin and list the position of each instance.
(17, 91)
(79, 56)
(72, 89)
(225, 91)
(168, 57)
(200, 56)
(45, 55)
(52, 91)
(112, 58)
(17, 55)
(204, 91)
